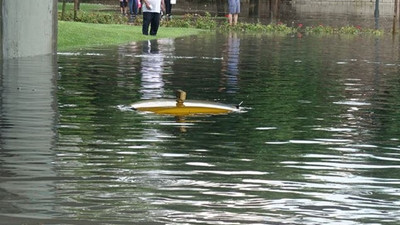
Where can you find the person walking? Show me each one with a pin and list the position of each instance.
(234, 10)
(152, 15)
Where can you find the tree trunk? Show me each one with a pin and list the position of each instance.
(376, 14)
(76, 8)
(396, 15)
(64, 3)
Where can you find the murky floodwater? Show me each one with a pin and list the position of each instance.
(319, 143)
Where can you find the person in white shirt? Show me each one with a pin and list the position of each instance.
(152, 15)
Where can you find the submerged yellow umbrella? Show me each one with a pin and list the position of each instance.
(180, 107)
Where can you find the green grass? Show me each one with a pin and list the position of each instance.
(74, 35)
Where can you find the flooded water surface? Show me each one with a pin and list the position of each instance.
(317, 141)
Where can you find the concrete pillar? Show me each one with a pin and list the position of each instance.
(28, 28)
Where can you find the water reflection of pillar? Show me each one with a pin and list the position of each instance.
(230, 67)
(126, 65)
(27, 122)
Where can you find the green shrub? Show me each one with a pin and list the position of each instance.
(320, 29)
(352, 30)
(92, 17)
(258, 27)
(193, 21)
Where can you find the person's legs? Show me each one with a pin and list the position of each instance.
(130, 5)
(146, 23)
(121, 6)
(170, 11)
(135, 7)
(237, 12)
(125, 7)
(155, 23)
(132, 10)
(168, 7)
(235, 19)
(231, 10)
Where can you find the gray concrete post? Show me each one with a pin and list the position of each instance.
(28, 28)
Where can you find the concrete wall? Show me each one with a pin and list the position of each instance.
(355, 7)
(262, 8)
(28, 28)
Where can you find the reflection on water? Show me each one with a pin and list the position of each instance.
(27, 131)
(319, 143)
(231, 64)
(152, 67)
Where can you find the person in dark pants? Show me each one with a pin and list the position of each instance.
(152, 15)
(168, 8)
(133, 9)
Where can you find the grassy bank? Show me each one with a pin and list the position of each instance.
(73, 35)
(103, 25)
